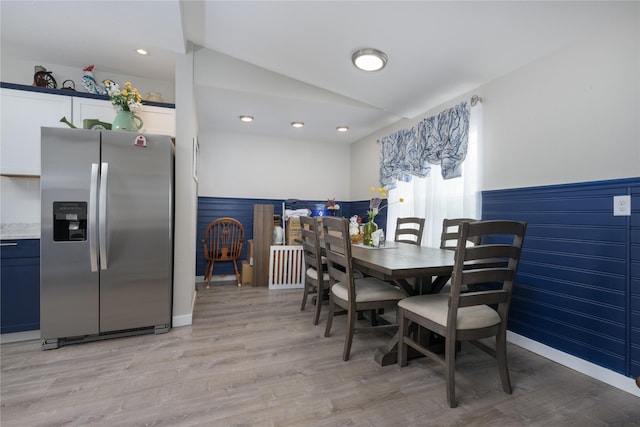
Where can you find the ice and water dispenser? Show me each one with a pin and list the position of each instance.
(69, 221)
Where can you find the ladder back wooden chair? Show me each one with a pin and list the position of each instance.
(347, 292)
(409, 230)
(222, 242)
(316, 280)
(468, 316)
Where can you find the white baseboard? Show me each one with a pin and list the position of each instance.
(185, 319)
(20, 336)
(217, 278)
(590, 369)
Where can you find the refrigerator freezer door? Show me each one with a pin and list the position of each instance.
(69, 290)
(135, 287)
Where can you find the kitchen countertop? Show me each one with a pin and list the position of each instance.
(19, 230)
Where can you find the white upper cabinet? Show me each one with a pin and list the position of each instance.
(88, 108)
(156, 120)
(23, 114)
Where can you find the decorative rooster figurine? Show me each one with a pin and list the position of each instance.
(89, 82)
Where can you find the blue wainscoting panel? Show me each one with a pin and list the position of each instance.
(211, 208)
(634, 284)
(578, 286)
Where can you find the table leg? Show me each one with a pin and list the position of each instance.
(435, 286)
(410, 290)
(389, 354)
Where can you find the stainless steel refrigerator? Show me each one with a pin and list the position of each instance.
(106, 245)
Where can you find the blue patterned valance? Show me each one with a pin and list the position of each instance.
(438, 140)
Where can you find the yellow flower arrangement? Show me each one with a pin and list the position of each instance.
(375, 204)
(127, 99)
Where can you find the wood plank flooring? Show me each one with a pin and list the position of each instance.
(252, 358)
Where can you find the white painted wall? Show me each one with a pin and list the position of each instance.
(573, 116)
(254, 166)
(20, 200)
(186, 189)
(570, 117)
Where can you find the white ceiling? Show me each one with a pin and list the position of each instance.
(284, 61)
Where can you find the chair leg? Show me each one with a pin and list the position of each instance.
(206, 271)
(235, 267)
(351, 325)
(305, 294)
(319, 291)
(209, 273)
(450, 366)
(332, 307)
(403, 331)
(503, 366)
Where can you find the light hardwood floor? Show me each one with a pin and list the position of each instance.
(251, 358)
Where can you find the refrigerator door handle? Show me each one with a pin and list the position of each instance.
(93, 218)
(102, 217)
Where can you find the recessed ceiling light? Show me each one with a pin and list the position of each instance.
(369, 59)
(142, 51)
(246, 119)
(342, 128)
(297, 124)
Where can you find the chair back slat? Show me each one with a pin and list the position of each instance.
(486, 275)
(490, 251)
(483, 297)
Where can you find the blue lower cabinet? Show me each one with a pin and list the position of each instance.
(19, 285)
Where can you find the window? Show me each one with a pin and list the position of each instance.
(435, 198)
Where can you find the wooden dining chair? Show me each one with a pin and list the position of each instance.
(353, 295)
(222, 242)
(449, 236)
(468, 316)
(409, 230)
(316, 280)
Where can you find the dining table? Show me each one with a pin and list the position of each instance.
(416, 269)
(430, 268)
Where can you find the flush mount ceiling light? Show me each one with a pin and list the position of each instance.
(297, 124)
(246, 119)
(342, 128)
(142, 51)
(369, 59)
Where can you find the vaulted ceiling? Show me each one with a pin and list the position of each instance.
(284, 61)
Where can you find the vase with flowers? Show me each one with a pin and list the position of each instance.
(127, 101)
(375, 206)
